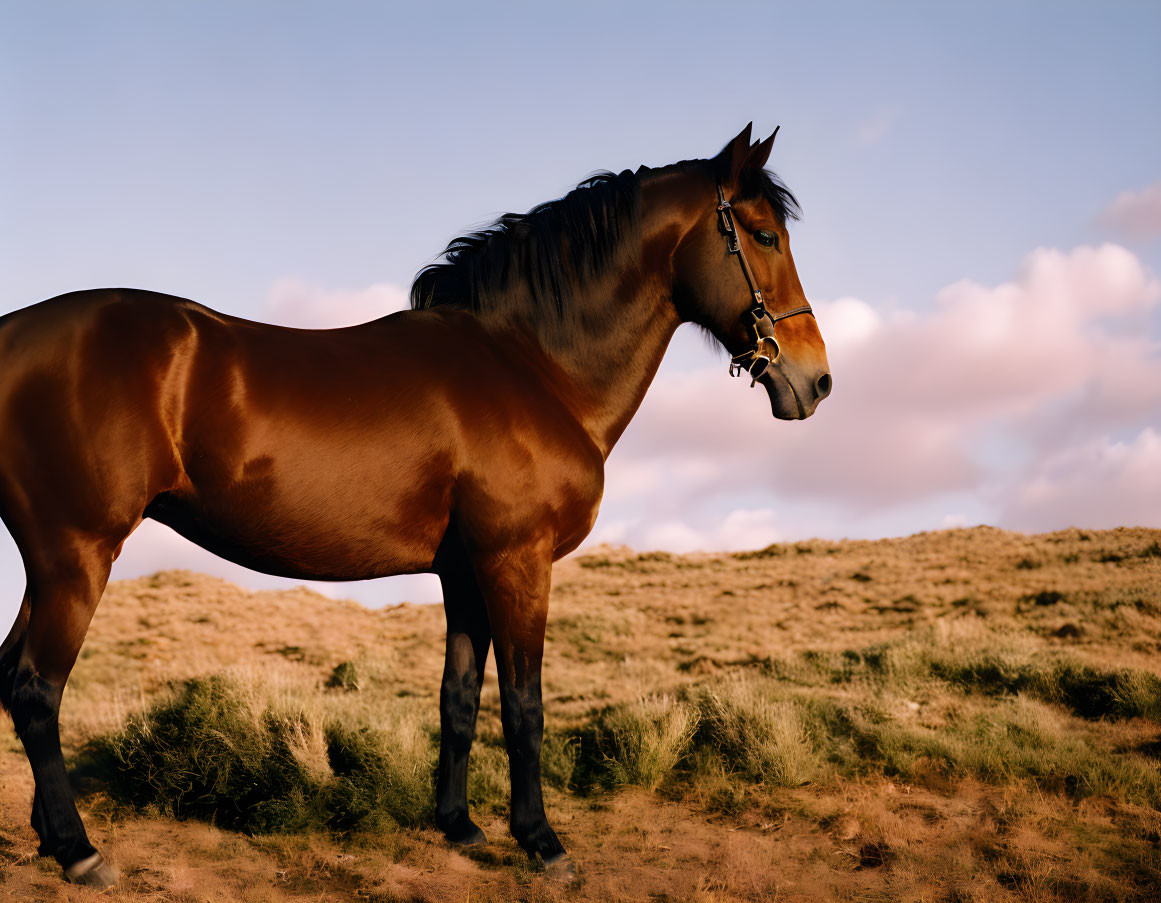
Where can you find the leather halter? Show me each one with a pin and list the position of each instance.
(751, 361)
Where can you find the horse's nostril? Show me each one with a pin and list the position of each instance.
(822, 386)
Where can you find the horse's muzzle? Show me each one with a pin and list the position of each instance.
(793, 396)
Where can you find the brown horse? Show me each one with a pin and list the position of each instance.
(466, 437)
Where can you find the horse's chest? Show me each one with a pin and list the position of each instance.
(534, 478)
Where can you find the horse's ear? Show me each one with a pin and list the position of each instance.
(760, 152)
(729, 162)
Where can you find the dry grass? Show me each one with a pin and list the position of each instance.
(969, 715)
(647, 739)
(760, 738)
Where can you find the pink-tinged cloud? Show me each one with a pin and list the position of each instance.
(1068, 321)
(743, 528)
(1135, 213)
(1100, 483)
(294, 302)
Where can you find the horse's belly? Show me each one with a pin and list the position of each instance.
(331, 521)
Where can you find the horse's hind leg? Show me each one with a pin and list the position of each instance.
(65, 582)
(468, 639)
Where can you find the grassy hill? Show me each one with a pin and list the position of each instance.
(960, 716)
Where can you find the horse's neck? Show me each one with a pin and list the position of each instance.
(615, 355)
(610, 372)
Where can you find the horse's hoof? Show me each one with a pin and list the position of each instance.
(92, 871)
(560, 868)
(473, 838)
(464, 833)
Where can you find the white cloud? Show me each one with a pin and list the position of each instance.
(1135, 213)
(295, 302)
(846, 323)
(740, 529)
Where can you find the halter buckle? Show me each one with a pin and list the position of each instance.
(726, 223)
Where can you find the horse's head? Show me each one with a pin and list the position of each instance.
(735, 276)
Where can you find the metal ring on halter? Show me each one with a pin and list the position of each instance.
(777, 355)
(757, 361)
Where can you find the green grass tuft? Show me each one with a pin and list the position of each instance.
(232, 755)
(1014, 740)
(1089, 692)
(758, 736)
(380, 780)
(344, 677)
(645, 740)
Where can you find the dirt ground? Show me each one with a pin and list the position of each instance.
(623, 624)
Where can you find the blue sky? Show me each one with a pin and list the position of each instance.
(217, 150)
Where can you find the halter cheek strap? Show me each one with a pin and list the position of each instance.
(754, 361)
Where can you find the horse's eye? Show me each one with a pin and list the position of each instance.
(767, 239)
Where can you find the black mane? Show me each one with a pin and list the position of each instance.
(532, 263)
(538, 258)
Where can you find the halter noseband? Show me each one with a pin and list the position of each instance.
(755, 361)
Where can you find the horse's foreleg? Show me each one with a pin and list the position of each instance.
(468, 638)
(515, 587)
(64, 587)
